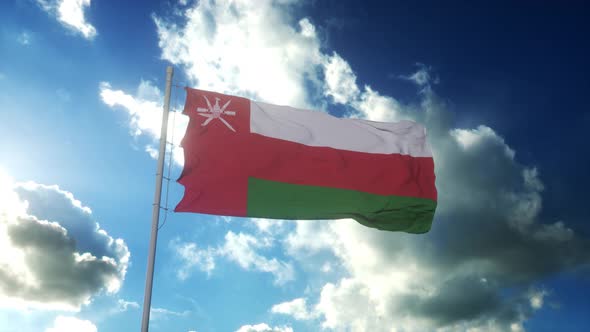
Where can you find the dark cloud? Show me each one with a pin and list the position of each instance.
(66, 257)
(463, 298)
(51, 203)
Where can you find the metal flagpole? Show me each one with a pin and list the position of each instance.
(149, 278)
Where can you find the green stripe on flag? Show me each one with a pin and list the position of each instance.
(271, 199)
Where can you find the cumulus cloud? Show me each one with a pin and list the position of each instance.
(53, 255)
(242, 249)
(193, 257)
(244, 48)
(487, 237)
(263, 327)
(144, 110)
(297, 308)
(340, 80)
(536, 299)
(71, 324)
(268, 226)
(70, 13)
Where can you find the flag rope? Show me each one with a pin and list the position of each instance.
(170, 158)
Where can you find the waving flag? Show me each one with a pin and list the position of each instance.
(252, 159)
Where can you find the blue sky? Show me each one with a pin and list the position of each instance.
(500, 86)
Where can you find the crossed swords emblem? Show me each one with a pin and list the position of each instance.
(215, 112)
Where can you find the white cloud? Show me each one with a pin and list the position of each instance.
(376, 107)
(71, 324)
(269, 226)
(145, 115)
(536, 299)
(389, 285)
(263, 327)
(53, 255)
(191, 256)
(161, 313)
(470, 138)
(360, 302)
(244, 48)
(241, 249)
(296, 308)
(306, 240)
(123, 305)
(349, 304)
(340, 80)
(70, 13)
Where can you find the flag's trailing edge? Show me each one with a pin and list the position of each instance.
(251, 159)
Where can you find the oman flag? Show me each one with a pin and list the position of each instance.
(251, 159)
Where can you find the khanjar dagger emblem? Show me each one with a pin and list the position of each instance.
(215, 112)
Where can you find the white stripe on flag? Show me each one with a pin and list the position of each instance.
(320, 129)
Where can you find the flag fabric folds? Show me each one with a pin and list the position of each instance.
(251, 159)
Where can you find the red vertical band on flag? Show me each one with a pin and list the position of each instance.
(213, 177)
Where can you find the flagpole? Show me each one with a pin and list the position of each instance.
(149, 279)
